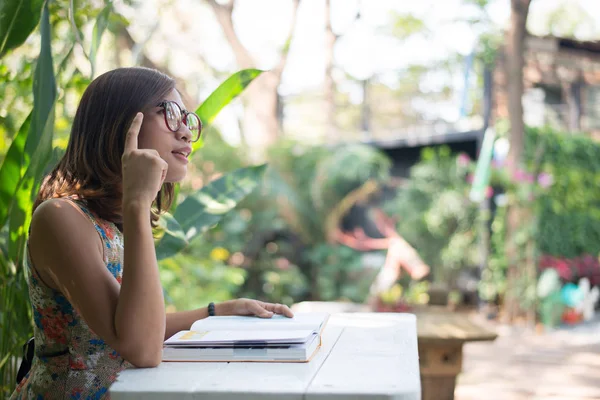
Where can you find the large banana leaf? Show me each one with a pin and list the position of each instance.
(38, 147)
(227, 91)
(20, 214)
(173, 240)
(28, 159)
(11, 170)
(99, 27)
(205, 208)
(18, 18)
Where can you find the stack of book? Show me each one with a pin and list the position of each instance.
(237, 338)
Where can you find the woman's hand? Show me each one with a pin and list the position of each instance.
(143, 169)
(257, 308)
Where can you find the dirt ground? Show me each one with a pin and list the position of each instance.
(520, 364)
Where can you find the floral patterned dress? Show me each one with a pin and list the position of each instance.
(71, 361)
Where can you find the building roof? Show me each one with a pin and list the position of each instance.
(555, 43)
(426, 140)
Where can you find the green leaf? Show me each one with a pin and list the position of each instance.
(306, 217)
(38, 147)
(20, 215)
(11, 171)
(407, 25)
(205, 208)
(176, 191)
(174, 239)
(18, 18)
(226, 92)
(116, 22)
(44, 88)
(99, 27)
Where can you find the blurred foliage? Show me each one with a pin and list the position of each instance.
(559, 188)
(415, 293)
(569, 19)
(275, 246)
(493, 278)
(572, 203)
(404, 26)
(435, 214)
(489, 36)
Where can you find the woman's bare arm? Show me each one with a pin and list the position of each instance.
(65, 246)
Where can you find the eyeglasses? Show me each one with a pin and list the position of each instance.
(174, 116)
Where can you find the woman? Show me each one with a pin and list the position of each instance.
(94, 282)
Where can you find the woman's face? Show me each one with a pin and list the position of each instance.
(173, 147)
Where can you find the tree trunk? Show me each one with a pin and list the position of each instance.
(329, 89)
(515, 61)
(260, 125)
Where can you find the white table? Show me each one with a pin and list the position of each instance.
(364, 356)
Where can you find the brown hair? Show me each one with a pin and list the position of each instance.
(91, 166)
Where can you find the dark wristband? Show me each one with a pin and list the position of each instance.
(211, 309)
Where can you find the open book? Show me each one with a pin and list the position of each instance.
(237, 338)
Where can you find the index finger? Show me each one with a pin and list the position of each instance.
(281, 309)
(131, 140)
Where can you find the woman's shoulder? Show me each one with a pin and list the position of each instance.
(57, 210)
(60, 239)
(63, 217)
(73, 220)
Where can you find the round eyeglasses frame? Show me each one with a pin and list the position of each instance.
(184, 118)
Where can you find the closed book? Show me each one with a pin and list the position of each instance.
(250, 339)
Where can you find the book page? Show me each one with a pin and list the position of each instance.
(239, 337)
(300, 321)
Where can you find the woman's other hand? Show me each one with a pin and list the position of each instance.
(254, 308)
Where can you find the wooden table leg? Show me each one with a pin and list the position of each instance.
(439, 365)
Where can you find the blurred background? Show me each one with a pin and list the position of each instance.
(438, 157)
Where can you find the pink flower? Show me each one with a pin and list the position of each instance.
(282, 263)
(523, 177)
(564, 271)
(463, 160)
(519, 175)
(545, 180)
(470, 178)
(489, 192)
